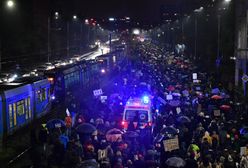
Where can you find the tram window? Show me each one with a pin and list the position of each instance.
(10, 116)
(14, 112)
(42, 94)
(29, 107)
(26, 108)
(20, 107)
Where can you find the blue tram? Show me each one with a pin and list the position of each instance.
(21, 102)
(29, 98)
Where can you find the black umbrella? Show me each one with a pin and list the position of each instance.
(91, 163)
(131, 134)
(55, 123)
(175, 162)
(169, 130)
(86, 128)
(114, 131)
(183, 119)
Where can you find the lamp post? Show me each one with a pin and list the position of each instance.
(196, 27)
(9, 5)
(67, 42)
(48, 39)
(195, 45)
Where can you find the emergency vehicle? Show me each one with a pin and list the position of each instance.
(138, 111)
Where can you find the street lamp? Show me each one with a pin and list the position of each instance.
(74, 16)
(10, 4)
(196, 25)
(227, 1)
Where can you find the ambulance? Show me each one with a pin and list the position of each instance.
(137, 111)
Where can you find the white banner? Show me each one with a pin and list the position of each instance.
(97, 92)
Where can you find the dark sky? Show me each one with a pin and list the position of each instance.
(135, 8)
(144, 10)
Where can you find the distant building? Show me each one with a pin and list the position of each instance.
(241, 41)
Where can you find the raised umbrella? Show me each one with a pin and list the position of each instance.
(131, 134)
(171, 88)
(169, 130)
(175, 162)
(55, 123)
(174, 103)
(183, 119)
(216, 97)
(90, 163)
(114, 134)
(86, 128)
(176, 94)
(215, 91)
(225, 107)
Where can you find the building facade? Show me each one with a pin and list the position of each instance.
(241, 43)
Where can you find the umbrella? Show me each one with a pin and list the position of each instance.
(175, 162)
(244, 132)
(225, 107)
(171, 88)
(55, 123)
(216, 97)
(184, 119)
(185, 93)
(86, 128)
(131, 134)
(174, 103)
(176, 94)
(169, 130)
(91, 163)
(215, 91)
(114, 131)
(113, 135)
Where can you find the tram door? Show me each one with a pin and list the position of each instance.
(12, 115)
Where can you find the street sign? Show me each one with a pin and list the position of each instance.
(245, 78)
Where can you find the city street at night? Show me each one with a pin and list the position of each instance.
(124, 84)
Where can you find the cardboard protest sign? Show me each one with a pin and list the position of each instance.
(171, 144)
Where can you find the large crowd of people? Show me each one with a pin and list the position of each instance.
(200, 113)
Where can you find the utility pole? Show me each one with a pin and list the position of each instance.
(67, 46)
(218, 49)
(195, 37)
(80, 39)
(110, 43)
(48, 39)
(0, 54)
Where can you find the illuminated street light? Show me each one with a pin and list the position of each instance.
(136, 31)
(10, 4)
(86, 21)
(227, 1)
(74, 16)
(111, 19)
(56, 13)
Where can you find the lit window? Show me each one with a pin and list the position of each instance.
(10, 116)
(20, 107)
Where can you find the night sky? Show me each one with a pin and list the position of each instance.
(146, 10)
